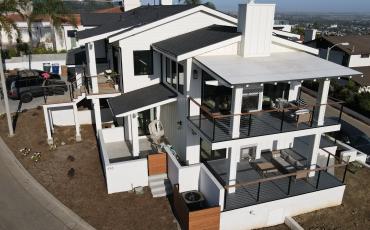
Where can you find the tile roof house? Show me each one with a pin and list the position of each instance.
(207, 106)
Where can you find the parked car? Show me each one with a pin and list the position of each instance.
(25, 89)
(30, 74)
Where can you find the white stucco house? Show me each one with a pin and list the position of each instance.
(227, 92)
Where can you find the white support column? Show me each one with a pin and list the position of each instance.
(51, 121)
(77, 123)
(47, 125)
(152, 111)
(313, 150)
(294, 90)
(127, 128)
(233, 156)
(97, 115)
(322, 100)
(135, 135)
(92, 66)
(260, 101)
(158, 113)
(236, 108)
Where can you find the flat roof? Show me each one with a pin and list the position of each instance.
(287, 66)
(197, 39)
(138, 100)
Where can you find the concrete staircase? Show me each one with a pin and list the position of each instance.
(159, 185)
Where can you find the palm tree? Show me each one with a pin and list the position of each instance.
(55, 10)
(8, 26)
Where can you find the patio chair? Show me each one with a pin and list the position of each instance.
(156, 131)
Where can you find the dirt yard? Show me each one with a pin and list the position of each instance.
(83, 190)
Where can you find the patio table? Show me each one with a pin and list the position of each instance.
(265, 167)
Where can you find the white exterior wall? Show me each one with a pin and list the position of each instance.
(63, 116)
(143, 41)
(186, 176)
(37, 61)
(212, 190)
(274, 213)
(169, 119)
(121, 176)
(357, 61)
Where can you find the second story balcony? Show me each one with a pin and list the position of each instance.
(286, 117)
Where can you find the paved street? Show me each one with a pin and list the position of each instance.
(24, 204)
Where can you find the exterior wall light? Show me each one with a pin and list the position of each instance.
(179, 124)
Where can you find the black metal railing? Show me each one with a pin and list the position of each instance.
(219, 127)
(286, 185)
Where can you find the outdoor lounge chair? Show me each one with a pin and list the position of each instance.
(156, 131)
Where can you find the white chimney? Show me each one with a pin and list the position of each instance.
(255, 22)
(165, 2)
(310, 35)
(131, 4)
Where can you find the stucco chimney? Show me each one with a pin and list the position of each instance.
(310, 35)
(131, 4)
(165, 2)
(255, 22)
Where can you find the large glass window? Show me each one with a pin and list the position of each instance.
(216, 98)
(207, 154)
(143, 62)
(168, 71)
(174, 74)
(181, 78)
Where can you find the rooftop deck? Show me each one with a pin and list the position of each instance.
(276, 189)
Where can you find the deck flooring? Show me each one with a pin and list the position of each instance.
(269, 191)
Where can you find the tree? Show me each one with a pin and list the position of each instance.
(55, 10)
(199, 2)
(7, 25)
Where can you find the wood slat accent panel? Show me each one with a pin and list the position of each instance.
(206, 219)
(157, 164)
(181, 210)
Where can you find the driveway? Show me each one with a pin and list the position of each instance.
(14, 104)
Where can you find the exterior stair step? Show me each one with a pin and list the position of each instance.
(160, 186)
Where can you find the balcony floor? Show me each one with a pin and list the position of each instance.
(262, 124)
(269, 191)
(121, 150)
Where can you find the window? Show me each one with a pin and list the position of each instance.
(181, 78)
(143, 62)
(168, 71)
(174, 74)
(365, 55)
(207, 154)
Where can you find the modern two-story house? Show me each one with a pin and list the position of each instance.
(239, 147)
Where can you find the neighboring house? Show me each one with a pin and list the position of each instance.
(356, 55)
(65, 39)
(237, 135)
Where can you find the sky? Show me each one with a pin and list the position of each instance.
(362, 6)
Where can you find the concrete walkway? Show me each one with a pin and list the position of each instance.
(25, 204)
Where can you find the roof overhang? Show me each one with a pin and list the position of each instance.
(234, 70)
(98, 37)
(140, 100)
(135, 30)
(294, 45)
(198, 52)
